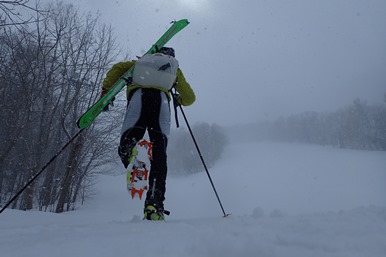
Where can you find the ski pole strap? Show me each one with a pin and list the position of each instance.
(175, 105)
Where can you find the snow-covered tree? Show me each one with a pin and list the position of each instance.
(51, 72)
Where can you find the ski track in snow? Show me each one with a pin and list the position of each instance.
(284, 199)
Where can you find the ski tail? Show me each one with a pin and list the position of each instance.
(137, 173)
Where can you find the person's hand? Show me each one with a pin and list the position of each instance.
(177, 99)
(103, 93)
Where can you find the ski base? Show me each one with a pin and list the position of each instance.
(137, 173)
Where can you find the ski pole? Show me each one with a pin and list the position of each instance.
(202, 160)
(41, 171)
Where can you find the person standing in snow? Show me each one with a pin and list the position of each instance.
(148, 110)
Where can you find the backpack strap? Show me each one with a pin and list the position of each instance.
(165, 66)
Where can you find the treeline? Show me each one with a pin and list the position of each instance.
(50, 73)
(358, 126)
(183, 157)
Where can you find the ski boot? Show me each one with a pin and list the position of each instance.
(153, 213)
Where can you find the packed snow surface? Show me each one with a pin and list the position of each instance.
(284, 199)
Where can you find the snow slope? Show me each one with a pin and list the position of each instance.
(285, 200)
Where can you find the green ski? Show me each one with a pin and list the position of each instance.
(88, 117)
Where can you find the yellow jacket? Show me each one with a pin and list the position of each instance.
(186, 94)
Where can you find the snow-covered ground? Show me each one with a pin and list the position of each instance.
(284, 199)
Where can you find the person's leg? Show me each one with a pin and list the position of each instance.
(128, 141)
(158, 129)
(158, 172)
(133, 128)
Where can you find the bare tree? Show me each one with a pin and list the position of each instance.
(16, 12)
(51, 74)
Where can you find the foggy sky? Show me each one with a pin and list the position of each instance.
(252, 60)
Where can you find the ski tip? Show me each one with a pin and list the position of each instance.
(181, 21)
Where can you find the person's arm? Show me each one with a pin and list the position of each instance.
(186, 95)
(115, 73)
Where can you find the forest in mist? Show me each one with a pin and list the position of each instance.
(359, 126)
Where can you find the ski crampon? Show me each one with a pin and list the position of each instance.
(137, 173)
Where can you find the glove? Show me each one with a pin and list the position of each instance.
(103, 93)
(106, 108)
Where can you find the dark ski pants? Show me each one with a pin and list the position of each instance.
(148, 110)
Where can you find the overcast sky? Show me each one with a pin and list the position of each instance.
(249, 60)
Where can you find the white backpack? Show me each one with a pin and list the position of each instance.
(155, 70)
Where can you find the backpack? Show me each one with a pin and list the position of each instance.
(155, 70)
